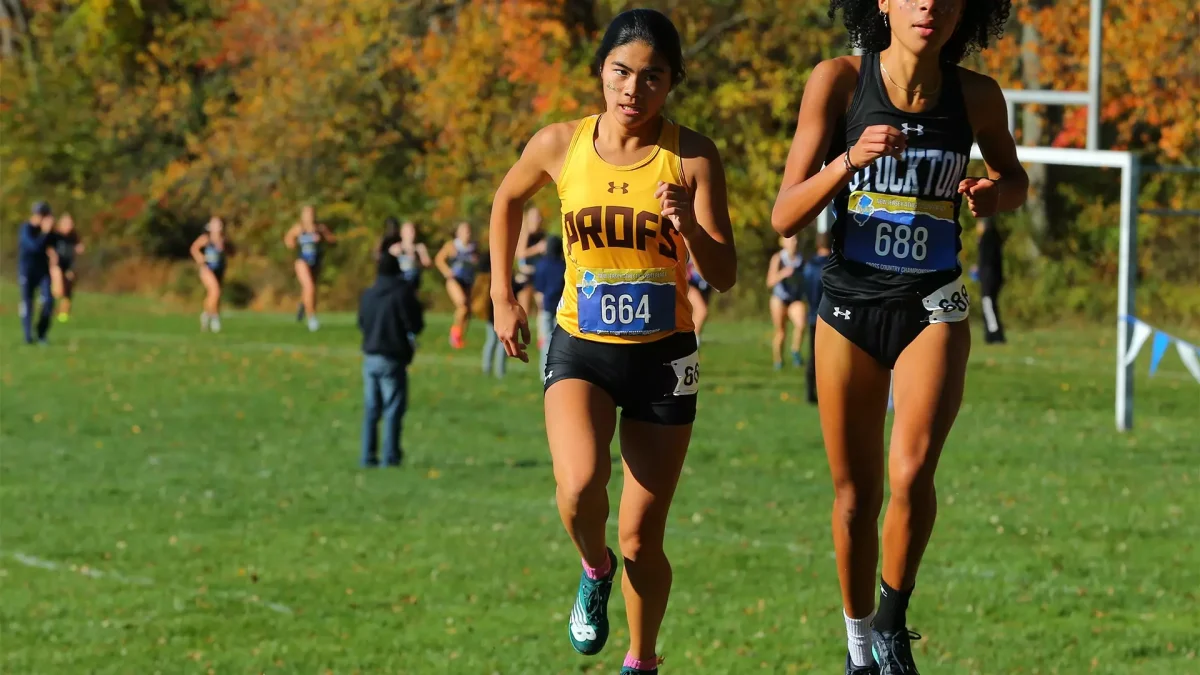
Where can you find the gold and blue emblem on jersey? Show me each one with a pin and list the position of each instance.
(898, 233)
(626, 301)
(587, 284)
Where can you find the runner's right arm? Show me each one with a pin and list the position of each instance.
(774, 273)
(537, 166)
(197, 250)
(806, 187)
(440, 260)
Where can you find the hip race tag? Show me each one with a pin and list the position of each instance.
(687, 374)
(948, 304)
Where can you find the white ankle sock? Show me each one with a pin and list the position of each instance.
(858, 639)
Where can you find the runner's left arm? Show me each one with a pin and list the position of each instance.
(710, 239)
(1007, 185)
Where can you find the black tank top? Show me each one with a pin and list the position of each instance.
(896, 236)
(64, 246)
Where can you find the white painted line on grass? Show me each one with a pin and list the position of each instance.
(254, 600)
(473, 362)
(308, 350)
(42, 563)
(85, 570)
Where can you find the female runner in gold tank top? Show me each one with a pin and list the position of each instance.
(639, 195)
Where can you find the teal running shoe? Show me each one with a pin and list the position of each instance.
(588, 627)
(629, 670)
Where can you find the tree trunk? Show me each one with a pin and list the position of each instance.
(1032, 125)
(12, 24)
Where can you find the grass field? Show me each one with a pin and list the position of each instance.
(178, 502)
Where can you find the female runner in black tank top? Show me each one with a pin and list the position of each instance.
(310, 238)
(893, 129)
(531, 245)
(210, 251)
(62, 273)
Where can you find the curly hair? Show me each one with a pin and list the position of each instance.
(981, 21)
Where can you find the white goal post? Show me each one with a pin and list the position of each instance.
(1127, 162)
(1130, 167)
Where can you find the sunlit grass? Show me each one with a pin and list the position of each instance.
(179, 502)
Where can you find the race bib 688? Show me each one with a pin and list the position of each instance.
(901, 234)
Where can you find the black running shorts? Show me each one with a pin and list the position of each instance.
(653, 382)
(884, 332)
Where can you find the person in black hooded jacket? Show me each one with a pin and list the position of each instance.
(991, 278)
(389, 317)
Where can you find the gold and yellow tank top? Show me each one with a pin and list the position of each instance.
(626, 279)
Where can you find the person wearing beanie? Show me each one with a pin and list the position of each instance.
(37, 241)
(389, 317)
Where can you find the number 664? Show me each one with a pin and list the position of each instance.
(621, 308)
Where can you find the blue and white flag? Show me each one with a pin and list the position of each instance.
(1142, 331)
(1161, 342)
(1190, 356)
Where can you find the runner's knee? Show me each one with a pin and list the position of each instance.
(581, 484)
(912, 469)
(857, 504)
(641, 541)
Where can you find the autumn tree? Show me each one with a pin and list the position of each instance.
(146, 116)
(1148, 105)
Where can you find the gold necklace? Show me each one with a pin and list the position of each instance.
(905, 90)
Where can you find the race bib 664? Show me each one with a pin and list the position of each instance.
(626, 302)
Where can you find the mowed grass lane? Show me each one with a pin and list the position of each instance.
(179, 502)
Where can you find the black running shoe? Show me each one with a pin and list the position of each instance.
(852, 669)
(893, 652)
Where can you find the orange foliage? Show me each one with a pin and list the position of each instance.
(1149, 77)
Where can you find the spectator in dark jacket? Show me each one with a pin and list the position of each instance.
(991, 279)
(37, 240)
(549, 277)
(495, 359)
(390, 318)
